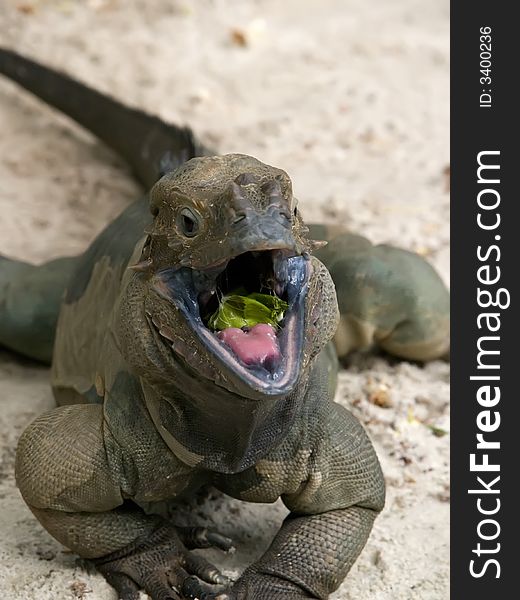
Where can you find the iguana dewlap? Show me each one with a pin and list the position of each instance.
(153, 404)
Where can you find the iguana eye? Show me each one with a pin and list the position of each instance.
(189, 222)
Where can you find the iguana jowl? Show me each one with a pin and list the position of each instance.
(152, 405)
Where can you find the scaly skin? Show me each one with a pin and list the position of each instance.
(151, 408)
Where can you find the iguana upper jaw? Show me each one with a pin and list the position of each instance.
(195, 293)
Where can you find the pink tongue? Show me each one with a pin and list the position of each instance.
(253, 347)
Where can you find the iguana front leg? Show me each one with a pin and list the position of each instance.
(309, 558)
(75, 481)
(334, 488)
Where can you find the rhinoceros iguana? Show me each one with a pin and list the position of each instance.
(153, 404)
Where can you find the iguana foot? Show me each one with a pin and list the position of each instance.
(251, 586)
(163, 565)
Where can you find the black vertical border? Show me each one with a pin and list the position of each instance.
(474, 129)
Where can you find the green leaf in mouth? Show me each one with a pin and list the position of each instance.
(239, 310)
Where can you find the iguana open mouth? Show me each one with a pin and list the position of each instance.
(265, 356)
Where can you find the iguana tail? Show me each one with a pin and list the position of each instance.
(387, 297)
(149, 145)
(30, 296)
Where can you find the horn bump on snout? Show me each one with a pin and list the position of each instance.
(240, 205)
(273, 190)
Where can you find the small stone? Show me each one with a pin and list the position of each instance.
(238, 37)
(380, 396)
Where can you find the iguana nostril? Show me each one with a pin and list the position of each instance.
(239, 218)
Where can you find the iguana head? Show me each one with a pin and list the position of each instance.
(222, 223)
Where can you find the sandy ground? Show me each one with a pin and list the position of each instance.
(351, 99)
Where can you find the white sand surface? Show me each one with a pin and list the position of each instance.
(351, 99)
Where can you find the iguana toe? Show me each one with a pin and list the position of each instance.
(201, 537)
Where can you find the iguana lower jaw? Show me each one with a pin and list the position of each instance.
(193, 292)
